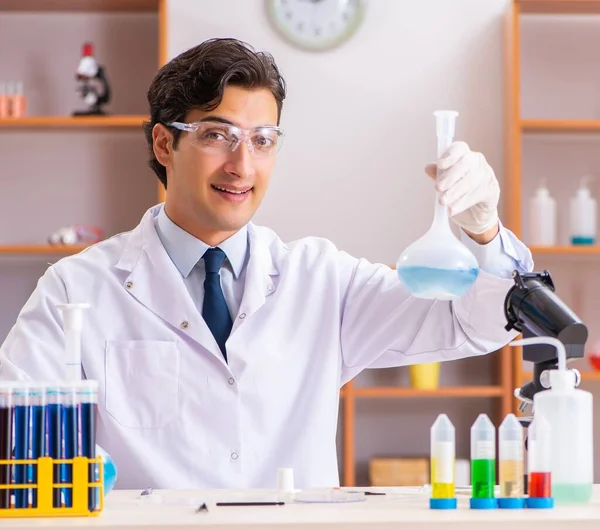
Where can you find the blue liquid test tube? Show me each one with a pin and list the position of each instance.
(70, 429)
(38, 433)
(54, 439)
(88, 400)
(6, 440)
(21, 437)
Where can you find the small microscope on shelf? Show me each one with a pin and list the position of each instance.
(532, 308)
(93, 83)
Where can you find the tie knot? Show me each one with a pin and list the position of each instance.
(213, 259)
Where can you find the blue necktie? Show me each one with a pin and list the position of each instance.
(214, 307)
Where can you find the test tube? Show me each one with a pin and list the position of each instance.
(38, 432)
(21, 438)
(483, 463)
(443, 454)
(510, 441)
(88, 399)
(70, 437)
(54, 439)
(539, 464)
(6, 439)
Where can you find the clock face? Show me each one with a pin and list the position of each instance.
(316, 24)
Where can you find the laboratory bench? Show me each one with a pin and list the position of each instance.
(399, 508)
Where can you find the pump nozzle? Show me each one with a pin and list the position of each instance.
(445, 122)
(72, 325)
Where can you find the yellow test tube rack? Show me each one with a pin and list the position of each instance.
(45, 487)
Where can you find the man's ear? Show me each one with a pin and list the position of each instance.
(162, 144)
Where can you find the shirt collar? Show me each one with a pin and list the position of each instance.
(185, 250)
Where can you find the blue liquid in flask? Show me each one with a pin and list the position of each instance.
(431, 282)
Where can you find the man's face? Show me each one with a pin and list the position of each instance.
(212, 192)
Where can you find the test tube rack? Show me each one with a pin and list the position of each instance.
(45, 486)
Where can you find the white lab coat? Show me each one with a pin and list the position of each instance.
(173, 414)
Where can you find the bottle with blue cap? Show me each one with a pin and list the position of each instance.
(510, 455)
(442, 466)
(483, 464)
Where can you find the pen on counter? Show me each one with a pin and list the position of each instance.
(369, 492)
(260, 503)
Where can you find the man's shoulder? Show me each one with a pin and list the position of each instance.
(102, 255)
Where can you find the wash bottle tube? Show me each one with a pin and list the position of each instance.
(88, 403)
(21, 440)
(38, 433)
(443, 454)
(539, 464)
(69, 414)
(54, 438)
(510, 442)
(6, 439)
(483, 463)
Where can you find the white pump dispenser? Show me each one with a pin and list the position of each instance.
(583, 215)
(568, 411)
(72, 325)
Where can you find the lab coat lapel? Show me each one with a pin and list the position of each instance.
(262, 276)
(155, 282)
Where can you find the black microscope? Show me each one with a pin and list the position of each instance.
(532, 308)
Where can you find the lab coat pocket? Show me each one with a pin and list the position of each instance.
(142, 382)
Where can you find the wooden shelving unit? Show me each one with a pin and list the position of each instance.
(560, 126)
(441, 392)
(51, 122)
(41, 249)
(517, 128)
(566, 250)
(81, 124)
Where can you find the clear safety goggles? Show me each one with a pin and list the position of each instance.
(218, 137)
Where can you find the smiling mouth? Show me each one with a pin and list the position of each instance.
(232, 191)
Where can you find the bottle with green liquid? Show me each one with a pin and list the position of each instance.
(483, 464)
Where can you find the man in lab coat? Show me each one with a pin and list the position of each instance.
(219, 349)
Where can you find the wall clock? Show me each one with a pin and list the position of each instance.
(316, 24)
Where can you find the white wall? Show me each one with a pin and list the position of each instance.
(358, 120)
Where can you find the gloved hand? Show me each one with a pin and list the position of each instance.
(468, 186)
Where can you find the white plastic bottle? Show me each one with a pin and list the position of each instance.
(583, 215)
(568, 411)
(542, 217)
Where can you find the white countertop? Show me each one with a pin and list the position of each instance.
(399, 508)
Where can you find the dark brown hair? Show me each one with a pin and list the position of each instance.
(197, 79)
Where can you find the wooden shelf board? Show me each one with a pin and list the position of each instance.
(80, 5)
(69, 121)
(585, 375)
(41, 249)
(560, 126)
(559, 7)
(576, 250)
(458, 391)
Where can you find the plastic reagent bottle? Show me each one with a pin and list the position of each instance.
(583, 215)
(442, 464)
(569, 414)
(510, 454)
(483, 463)
(542, 217)
(539, 463)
